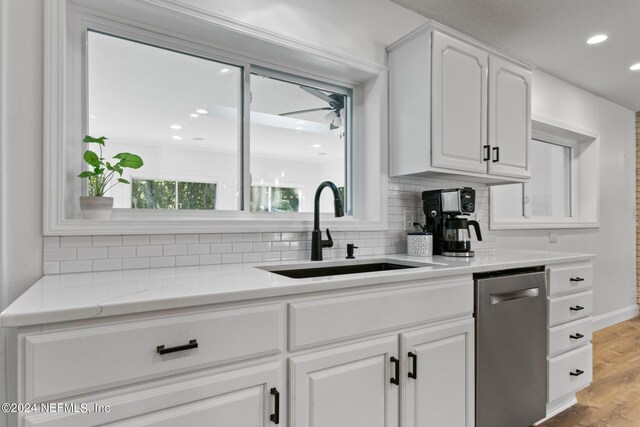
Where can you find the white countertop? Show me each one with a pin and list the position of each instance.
(65, 297)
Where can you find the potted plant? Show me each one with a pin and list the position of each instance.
(95, 205)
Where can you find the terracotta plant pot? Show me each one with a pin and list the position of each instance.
(96, 207)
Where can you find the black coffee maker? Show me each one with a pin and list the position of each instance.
(443, 210)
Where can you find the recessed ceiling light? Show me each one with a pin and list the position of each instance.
(224, 71)
(201, 111)
(92, 116)
(177, 138)
(176, 127)
(315, 146)
(299, 128)
(635, 67)
(300, 122)
(194, 115)
(598, 38)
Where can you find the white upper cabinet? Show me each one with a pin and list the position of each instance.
(457, 109)
(509, 112)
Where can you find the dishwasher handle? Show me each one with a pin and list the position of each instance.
(514, 295)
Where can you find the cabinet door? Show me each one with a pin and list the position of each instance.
(240, 398)
(509, 118)
(459, 105)
(442, 361)
(345, 387)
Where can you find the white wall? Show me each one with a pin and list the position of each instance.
(614, 242)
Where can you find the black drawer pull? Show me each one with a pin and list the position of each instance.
(576, 279)
(396, 380)
(497, 153)
(487, 152)
(576, 308)
(576, 336)
(275, 417)
(577, 373)
(414, 357)
(192, 344)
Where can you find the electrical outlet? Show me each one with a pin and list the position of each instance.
(409, 218)
(553, 237)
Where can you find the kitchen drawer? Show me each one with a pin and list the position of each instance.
(561, 382)
(570, 278)
(570, 335)
(321, 321)
(570, 307)
(88, 359)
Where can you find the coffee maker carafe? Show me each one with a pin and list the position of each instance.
(443, 210)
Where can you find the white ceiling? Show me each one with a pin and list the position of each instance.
(552, 34)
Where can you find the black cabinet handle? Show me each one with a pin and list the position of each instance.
(576, 336)
(576, 308)
(576, 279)
(496, 150)
(396, 380)
(275, 417)
(192, 344)
(577, 373)
(414, 357)
(487, 152)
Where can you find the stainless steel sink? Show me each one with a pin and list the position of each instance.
(306, 271)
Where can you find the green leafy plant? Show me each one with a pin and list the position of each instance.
(104, 172)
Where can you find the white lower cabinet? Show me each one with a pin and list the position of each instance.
(242, 398)
(350, 386)
(438, 377)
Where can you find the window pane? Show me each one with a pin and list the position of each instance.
(179, 112)
(196, 195)
(508, 201)
(153, 194)
(259, 199)
(298, 140)
(550, 186)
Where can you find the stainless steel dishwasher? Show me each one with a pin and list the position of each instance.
(511, 347)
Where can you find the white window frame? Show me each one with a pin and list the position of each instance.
(584, 185)
(65, 116)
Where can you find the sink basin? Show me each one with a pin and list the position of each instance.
(335, 270)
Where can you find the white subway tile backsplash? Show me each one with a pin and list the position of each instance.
(163, 261)
(107, 264)
(135, 263)
(162, 239)
(101, 253)
(199, 248)
(210, 238)
(135, 240)
(107, 240)
(51, 242)
(75, 266)
(92, 253)
(76, 242)
(210, 259)
(148, 251)
(51, 268)
(122, 252)
(169, 250)
(183, 260)
(187, 238)
(61, 254)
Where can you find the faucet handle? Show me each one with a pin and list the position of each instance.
(329, 242)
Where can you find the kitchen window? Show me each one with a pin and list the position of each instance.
(555, 195)
(200, 101)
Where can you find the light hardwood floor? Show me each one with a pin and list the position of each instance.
(613, 399)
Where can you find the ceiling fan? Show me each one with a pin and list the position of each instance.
(336, 104)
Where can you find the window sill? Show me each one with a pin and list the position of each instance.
(540, 225)
(130, 222)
